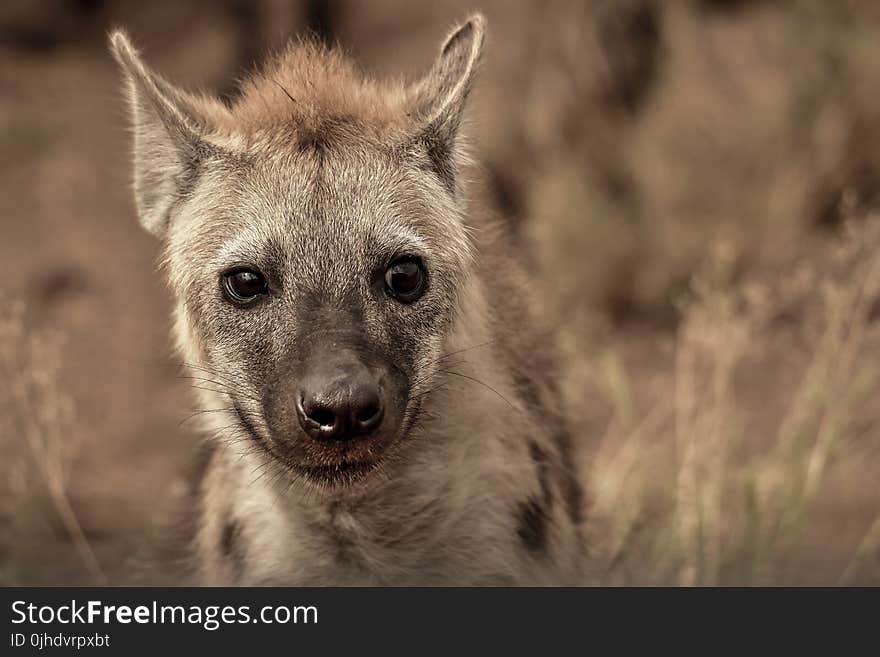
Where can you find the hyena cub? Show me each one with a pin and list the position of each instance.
(379, 411)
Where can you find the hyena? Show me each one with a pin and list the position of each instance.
(379, 410)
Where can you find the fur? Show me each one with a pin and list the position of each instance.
(320, 176)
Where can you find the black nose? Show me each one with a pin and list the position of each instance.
(345, 404)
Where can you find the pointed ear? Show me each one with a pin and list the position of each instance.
(168, 143)
(441, 95)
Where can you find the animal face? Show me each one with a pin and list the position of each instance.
(316, 251)
(323, 288)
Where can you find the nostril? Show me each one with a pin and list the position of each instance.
(323, 416)
(317, 419)
(368, 415)
(368, 412)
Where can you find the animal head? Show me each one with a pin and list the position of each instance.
(315, 243)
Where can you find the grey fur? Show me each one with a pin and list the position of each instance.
(319, 177)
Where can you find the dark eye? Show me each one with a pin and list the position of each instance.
(405, 279)
(243, 286)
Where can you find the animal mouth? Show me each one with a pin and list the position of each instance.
(337, 474)
(346, 470)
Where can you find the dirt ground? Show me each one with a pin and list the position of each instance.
(620, 140)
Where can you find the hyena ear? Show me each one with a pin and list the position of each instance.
(440, 97)
(168, 136)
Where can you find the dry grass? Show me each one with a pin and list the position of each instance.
(696, 485)
(691, 492)
(729, 410)
(38, 412)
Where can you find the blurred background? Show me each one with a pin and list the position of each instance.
(692, 183)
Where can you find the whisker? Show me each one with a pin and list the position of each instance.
(461, 351)
(484, 384)
(223, 387)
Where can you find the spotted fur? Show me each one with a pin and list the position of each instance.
(320, 176)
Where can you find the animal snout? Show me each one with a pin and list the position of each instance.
(340, 403)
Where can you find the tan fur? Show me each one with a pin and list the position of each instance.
(315, 169)
(309, 88)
